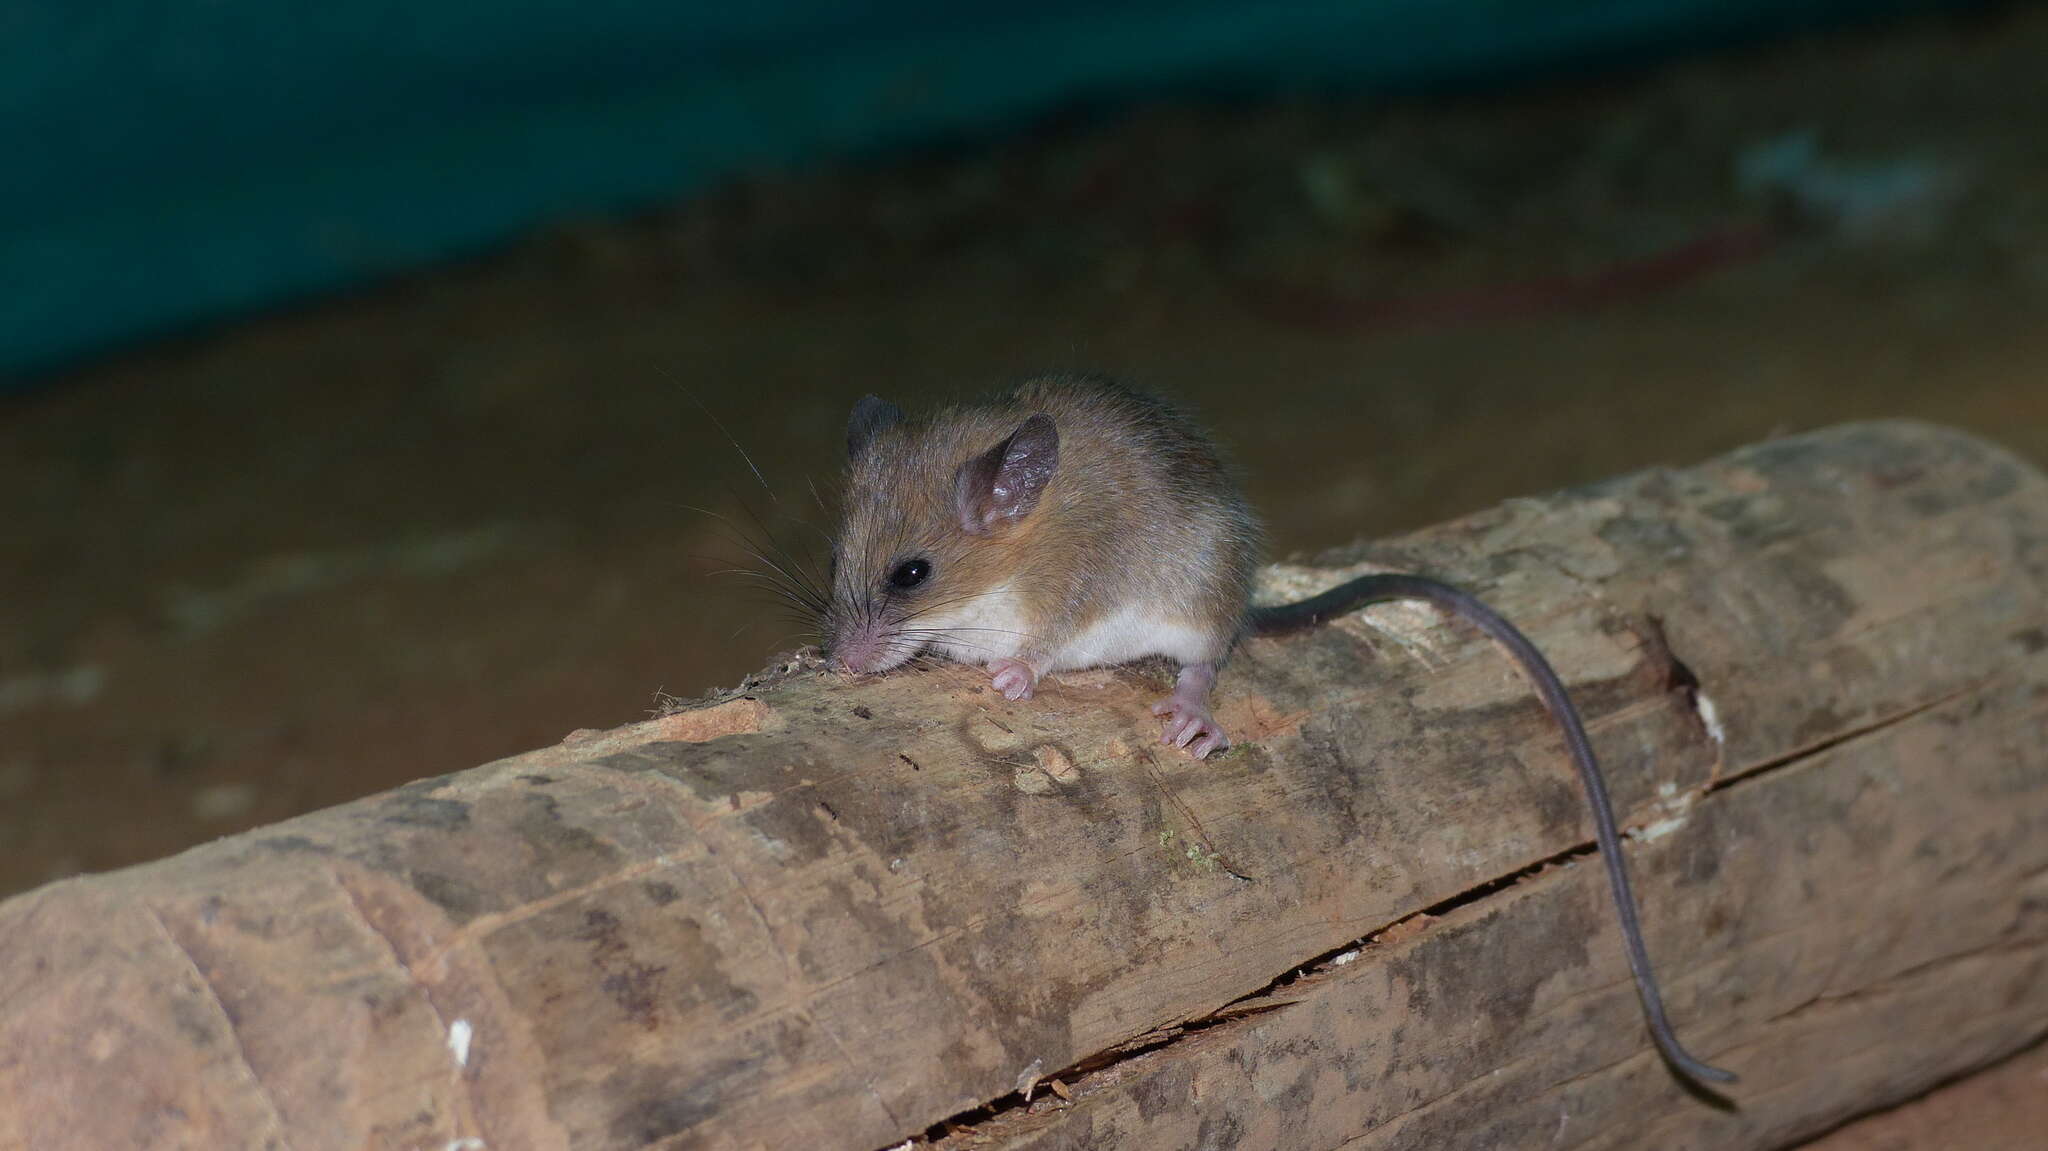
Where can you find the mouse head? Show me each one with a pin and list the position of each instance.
(935, 513)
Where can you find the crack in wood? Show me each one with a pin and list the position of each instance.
(1820, 747)
(484, 925)
(469, 1115)
(846, 1057)
(2034, 1037)
(1071, 1078)
(228, 1019)
(1906, 975)
(1187, 814)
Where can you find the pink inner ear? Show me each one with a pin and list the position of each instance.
(1004, 482)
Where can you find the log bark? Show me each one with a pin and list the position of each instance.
(817, 913)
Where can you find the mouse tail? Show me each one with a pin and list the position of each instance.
(1381, 587)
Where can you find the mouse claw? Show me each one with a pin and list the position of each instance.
(1190, 728)
(1013, 677)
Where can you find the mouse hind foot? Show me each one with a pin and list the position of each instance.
(1185, 718)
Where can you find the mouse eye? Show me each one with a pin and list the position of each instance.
(910, 573)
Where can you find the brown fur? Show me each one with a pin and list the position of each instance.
(1141, 511)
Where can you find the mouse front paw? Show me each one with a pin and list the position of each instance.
(1013, 677)
(1190, 726)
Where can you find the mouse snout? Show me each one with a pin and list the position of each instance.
(858, 649)
(841, 659)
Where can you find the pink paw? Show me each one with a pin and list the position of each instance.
(1189, 726)
(1013, 677)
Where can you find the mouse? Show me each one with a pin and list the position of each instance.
(1074, 522)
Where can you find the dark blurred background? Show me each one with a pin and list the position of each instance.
(361, 370)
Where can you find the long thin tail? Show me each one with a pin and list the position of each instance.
(1381, 587)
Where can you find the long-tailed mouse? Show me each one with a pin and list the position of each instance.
(1075, 523)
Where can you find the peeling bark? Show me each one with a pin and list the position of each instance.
(823, 913)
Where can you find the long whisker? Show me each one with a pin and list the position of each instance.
(806, 587)
(782, 606)
(774, 542)
(767, 540)
(796, 591)
(776, 589)
(769, 579)
(780, 586)
(729, 437)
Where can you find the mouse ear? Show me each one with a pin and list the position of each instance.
(871, 414)
(1004, 482)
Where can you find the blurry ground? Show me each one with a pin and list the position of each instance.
(340, 548)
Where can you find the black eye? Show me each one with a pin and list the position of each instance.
(910, 573)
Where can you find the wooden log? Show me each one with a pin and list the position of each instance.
(819, 913)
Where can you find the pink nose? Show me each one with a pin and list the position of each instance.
(852, 654)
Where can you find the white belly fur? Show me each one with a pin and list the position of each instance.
(993, 626)
(1133, 633)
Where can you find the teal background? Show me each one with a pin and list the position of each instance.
(170, 165)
